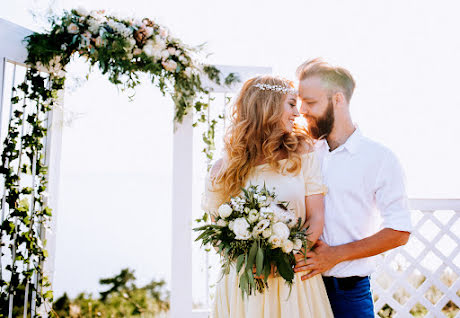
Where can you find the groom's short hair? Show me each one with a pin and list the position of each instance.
(333, 76)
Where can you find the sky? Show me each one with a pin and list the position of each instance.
(116, 158)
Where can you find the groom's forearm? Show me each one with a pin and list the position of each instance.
(378, 243)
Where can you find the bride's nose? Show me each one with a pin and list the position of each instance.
(296, 112)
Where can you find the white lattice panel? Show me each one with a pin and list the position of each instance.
(422, 278)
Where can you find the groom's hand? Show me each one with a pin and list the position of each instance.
(321, 259)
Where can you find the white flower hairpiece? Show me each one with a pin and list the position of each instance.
(276, 88)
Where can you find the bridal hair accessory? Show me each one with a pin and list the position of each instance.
(276, 88)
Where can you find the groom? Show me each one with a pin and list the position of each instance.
(365, 182)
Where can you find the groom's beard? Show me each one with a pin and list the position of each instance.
(321, 127)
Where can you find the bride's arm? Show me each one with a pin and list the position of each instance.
(315, 216)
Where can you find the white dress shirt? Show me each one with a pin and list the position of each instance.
(366, 192)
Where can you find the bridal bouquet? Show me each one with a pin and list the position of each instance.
(255, 232)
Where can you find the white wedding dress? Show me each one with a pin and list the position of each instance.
(307, 299)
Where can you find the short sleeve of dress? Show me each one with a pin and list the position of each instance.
(311, 169)
(210, 198)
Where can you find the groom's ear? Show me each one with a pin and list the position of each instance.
(339, 99)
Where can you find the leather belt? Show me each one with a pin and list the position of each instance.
(344, 283)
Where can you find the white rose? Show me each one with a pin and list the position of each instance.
(267, 233)
(261, 226)
(163, 32)
(287, 246)
(275, 241)
(148, 50)
(82, 11)
(221, 222)
(165, 54)
(230, 225)
(281, 230)
(132, 42)
(241, 229)
(171, 50)
(72, 28)
(225, 211)
(169, 65)
(253, 216)
(297, 244)
(138, 22)
(148, 32)
(182, 59)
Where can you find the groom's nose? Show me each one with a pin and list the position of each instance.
(303, 108)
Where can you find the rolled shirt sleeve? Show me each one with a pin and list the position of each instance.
(311, 169)
(390, 195)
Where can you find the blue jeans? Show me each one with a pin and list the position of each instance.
(353, 301)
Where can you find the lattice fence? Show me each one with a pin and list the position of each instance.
(421, 279)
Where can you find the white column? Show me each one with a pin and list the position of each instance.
(181, 263)
(53, 162)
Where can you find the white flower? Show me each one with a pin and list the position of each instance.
(98, 41)
(171, 66)
(148, 50)
(82, 11)
(230, 225)
(281, 230)
(137, 51)
(261, 226)
(225, 211)
(267, 232)
(262, 198)
(148, 31)
(72, 28)
(275, 241)
(183, 59)
(246, 209)
(94, 26)
(287, 246)
(165, 54)
(163, 32)
(297, 244)
(171, 50)
(132, 42)
(138, 22)
(64, 47)
(241, 229)
(221, 222)
(253, 216)
(292, 221)
(188, 73)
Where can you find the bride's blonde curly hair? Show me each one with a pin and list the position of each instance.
(256, 135)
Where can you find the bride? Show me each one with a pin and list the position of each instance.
(264, 145)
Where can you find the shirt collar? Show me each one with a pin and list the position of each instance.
(351, 145)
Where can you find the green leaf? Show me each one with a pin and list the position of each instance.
(259, 261)
(251, 256)
(251, 281)
(239, 262)
(284, 268)
(244, 283)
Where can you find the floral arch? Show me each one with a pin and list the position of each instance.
(120, 48)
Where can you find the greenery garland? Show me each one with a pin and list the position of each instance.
(119, 48)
